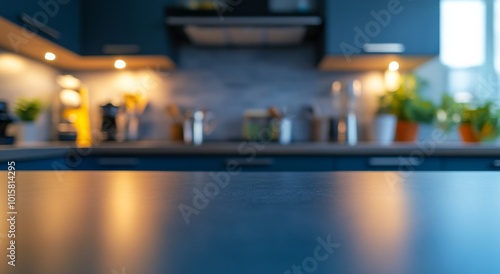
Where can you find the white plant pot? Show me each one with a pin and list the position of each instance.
(385, 128)
(26, 133)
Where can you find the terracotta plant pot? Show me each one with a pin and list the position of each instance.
(467, 133)
(406, 131)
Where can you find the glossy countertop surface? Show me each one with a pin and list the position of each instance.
(189, 223)
(159, 148)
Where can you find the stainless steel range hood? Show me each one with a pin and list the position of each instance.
(247, 30)
(245, 36)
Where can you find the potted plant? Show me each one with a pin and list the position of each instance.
(27, 111)
(449, 113)
(385, 120)
(479, 123)
(410, 109)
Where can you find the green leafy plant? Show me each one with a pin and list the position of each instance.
(484, 120)
(449, 113)
(28, 110)
(406, 102)
(416, 110)
(482, 117)
(385, 104)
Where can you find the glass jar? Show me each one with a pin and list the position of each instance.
(259, 125)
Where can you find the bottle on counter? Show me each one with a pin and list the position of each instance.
(344, 124)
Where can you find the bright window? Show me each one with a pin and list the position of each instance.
(470, 47)
(497, 36)
(462, 33)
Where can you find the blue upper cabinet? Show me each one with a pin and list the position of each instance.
(406, 27)
(57, 20)
(132, 27)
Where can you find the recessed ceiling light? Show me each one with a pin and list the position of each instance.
(50, 56)
(394, 66)
(120, 64)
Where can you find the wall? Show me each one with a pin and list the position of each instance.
(21, 77)
(228, 81)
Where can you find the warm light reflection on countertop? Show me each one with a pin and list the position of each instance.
(378, 221)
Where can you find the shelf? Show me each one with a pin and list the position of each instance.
(371, 62)
(35, 47)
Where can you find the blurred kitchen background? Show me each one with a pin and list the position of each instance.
(230, 80)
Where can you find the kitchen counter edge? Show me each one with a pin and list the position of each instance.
(146, 148)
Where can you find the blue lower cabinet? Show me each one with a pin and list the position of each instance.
(259, 164)
(472, 164)
(148, 163)
(37, 164)
(291, 163)
(209, 163)
(384, 163)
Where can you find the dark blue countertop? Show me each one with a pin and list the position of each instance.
(153, 222)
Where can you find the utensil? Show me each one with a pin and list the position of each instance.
(135, 105)
(176, 128)
(174, 111)
(275, 113)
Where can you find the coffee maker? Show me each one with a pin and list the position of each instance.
(71, 112)
(109, 114)
(5, 120)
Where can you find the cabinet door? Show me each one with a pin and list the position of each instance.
(57, 20)
(385, 163)
(350, 25)
(472, 164)
(47, 164)
(281, 163)
(206, 163)
(153, 163)
(124, 27)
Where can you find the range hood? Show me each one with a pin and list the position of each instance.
(242, 28)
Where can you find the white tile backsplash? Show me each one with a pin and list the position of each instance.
(224, 80)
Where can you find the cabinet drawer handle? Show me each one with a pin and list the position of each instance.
(121, 49)
(384, 48)
(117, 161)
(256, 162)
(41, 27)
(393, 161)
(496, 163)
